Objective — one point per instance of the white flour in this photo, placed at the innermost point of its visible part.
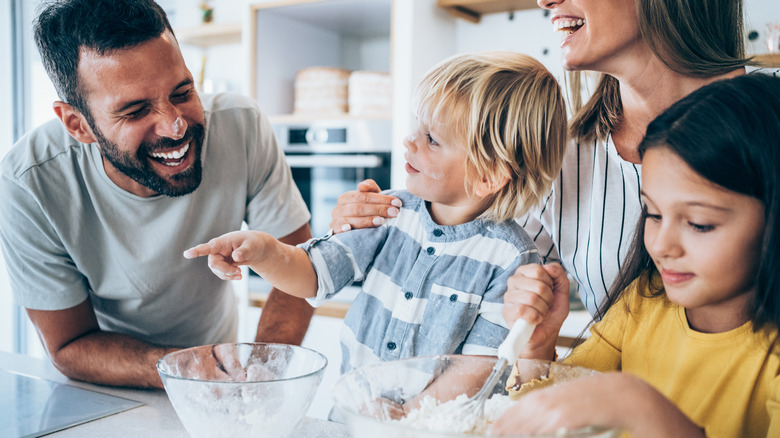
(447, 416)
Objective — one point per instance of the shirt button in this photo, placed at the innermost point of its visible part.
(408, 295)
(391, 346)
(454, 297)
(437, 232)
(430, 250)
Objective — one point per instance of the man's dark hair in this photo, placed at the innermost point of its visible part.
(64, 27)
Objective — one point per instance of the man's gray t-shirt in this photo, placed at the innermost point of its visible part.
(68, 232)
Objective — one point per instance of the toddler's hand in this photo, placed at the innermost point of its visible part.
(227, 252)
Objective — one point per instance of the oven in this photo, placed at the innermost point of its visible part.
(330, 157)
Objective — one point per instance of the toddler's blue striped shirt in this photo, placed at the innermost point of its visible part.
(427, 289)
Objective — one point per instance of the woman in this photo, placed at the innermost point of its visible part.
(650, 53)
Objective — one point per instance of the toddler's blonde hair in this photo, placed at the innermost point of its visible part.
(511, 112)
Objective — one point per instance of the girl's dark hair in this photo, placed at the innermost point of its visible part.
(65, 27)
(729, 133)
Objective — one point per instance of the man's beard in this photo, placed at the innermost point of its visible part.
(137, 167)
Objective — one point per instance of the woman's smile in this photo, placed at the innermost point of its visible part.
(567, 23)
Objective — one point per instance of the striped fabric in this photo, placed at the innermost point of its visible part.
(588, 220)
(427, 289)
(594, 204)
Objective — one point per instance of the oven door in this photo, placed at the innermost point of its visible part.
(322, 177)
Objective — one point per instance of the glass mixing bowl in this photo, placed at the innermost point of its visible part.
(356, 393)
(241, 390)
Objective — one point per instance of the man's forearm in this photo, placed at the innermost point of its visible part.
(110, 359)
(284, 319)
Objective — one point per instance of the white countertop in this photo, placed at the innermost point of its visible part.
(155, 418)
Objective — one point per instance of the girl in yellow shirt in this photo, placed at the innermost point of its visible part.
(692, 320)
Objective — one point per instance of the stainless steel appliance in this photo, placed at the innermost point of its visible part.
(330, 157)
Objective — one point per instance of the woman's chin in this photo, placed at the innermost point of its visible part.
(571, 63)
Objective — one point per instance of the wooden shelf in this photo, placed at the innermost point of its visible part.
(211, 34)
(472, 10)
(766, 60)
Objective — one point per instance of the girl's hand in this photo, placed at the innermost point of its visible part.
(229, 251)
(364, 208)
(614, 400)
(538, 294)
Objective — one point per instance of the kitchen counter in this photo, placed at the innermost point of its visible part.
(155, 417)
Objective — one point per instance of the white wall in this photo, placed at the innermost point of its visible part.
(759, 14)
(528, 32)
(423, 34)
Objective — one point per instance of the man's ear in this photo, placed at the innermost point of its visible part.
(74, 122)
(490, 185)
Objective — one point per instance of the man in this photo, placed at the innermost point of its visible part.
(99, 205)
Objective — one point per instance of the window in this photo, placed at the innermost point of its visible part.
(26, 95)
(7, 332)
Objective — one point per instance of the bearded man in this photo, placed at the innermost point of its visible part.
(98, 204)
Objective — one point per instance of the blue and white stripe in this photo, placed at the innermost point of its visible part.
(427, 289)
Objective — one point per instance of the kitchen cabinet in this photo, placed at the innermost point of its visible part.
(472, 10)
(286, 37)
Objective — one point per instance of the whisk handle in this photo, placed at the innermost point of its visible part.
(516, 339)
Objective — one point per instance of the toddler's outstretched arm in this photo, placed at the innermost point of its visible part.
(286, 267)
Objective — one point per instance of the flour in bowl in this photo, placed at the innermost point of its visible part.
(448, 416)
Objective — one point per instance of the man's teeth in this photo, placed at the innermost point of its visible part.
(173, 155)
(568, 24)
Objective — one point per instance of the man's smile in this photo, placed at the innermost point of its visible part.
(171, 158)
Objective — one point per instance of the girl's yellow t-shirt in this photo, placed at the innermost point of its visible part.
(728, 383)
